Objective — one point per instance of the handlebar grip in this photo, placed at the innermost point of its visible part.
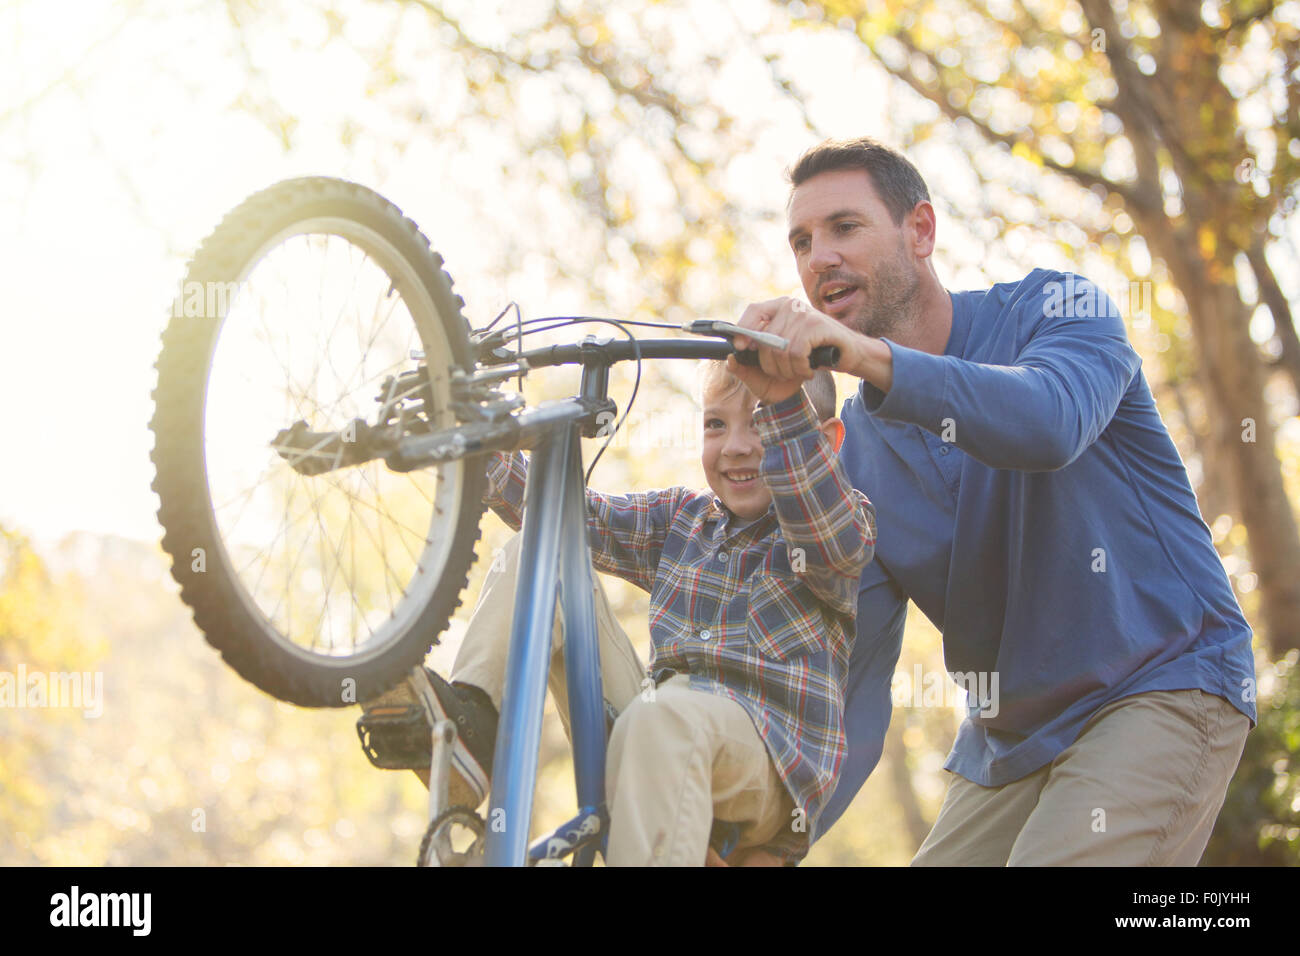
(823, 356)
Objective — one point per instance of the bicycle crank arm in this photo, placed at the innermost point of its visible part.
(314, 453)
(444, 742)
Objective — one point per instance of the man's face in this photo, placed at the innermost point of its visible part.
(851, 256)
(732, 450)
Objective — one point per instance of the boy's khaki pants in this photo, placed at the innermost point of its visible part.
(1142, 786)
(677, 758)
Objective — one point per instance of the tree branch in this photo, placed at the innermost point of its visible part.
(1283, 322)
(1085, 176)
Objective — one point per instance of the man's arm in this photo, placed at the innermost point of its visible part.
(1039, 414)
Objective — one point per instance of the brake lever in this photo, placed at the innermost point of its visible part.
(729, 330)
(823, 356)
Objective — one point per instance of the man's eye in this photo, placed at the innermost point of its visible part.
(801, 245)
(847, 226)
(713, 423)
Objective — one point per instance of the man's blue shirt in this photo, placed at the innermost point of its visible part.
(1031, 502)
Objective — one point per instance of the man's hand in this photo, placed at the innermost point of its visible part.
(781, 373)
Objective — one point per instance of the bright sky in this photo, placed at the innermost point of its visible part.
(133, 155)
(95, 247)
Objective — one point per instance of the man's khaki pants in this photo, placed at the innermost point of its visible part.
(677, 757)
(1142, 785)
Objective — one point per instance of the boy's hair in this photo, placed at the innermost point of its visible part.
(820, 388)
(897, 181)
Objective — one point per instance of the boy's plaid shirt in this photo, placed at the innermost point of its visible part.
(764, 614)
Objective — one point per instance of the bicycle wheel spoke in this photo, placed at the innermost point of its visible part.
(387, 567)
(365, 350)
(422, 536)
(341, 562)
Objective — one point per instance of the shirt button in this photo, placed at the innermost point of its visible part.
(722, 556)
(704, 634)
(943, 450)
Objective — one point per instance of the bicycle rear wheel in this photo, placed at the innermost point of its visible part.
(324, 590)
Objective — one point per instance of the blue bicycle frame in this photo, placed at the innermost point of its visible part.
(555, 563)
(554, 552)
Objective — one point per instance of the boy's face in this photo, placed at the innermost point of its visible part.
(732, 450)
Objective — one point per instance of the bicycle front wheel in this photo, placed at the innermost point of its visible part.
(304, 304)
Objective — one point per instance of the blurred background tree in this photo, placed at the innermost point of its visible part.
(627, 159)
(45, 625)
(1179, 117)
(1260, 822)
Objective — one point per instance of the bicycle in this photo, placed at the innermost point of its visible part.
(223, 417)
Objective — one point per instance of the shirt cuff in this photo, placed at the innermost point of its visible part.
(917, 393)
(789, 418)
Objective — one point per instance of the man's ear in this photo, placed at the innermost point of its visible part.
(925, 229)
(833, 429)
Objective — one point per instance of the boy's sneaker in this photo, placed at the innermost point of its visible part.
(396, 731)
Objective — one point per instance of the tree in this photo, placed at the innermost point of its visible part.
(623, 154)
(1158, 111)
(1260, 821)
(46, 630)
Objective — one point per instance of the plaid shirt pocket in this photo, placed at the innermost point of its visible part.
(782, 621)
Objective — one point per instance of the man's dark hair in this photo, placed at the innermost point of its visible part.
(897, 182)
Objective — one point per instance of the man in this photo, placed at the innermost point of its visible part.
(1032, 504)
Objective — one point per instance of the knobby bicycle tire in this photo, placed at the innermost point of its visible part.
(222, 606)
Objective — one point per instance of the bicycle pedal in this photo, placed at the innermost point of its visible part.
(396, 737)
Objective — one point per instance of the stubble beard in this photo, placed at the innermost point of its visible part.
(891, 301)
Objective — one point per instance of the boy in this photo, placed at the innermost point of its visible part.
(753, 598)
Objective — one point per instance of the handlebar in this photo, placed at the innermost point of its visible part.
(492, 426)
(605, 352)
(823, 356)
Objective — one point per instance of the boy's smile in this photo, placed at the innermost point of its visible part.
(732, 449)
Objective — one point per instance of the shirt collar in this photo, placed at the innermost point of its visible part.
(719, 512)
(960, 326)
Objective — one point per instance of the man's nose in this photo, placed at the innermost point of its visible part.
(823, 256)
